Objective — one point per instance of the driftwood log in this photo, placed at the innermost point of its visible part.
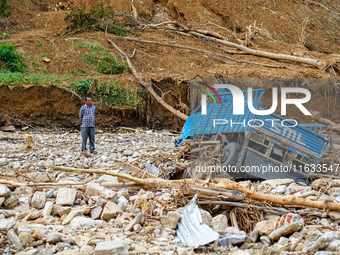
(223, 189)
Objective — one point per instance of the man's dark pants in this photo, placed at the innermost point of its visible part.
(87, 132)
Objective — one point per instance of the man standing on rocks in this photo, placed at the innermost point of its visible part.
(87, 115)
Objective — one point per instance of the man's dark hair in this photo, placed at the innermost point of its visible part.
(87, 98)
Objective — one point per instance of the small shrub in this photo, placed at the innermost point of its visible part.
(90, 59)
(5, 9)
(11, 59)
(82, 87)
(80, 20)
(110, 65)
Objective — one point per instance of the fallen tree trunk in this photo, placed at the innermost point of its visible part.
(194, 184)
(148, 87)
(157, 183)
(277, 199)
(201, 51)
(317, 63)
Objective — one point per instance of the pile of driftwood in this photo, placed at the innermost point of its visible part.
(221, 189)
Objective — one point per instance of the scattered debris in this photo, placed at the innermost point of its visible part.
(56, 200)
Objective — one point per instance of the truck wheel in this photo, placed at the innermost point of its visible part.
(228, 153)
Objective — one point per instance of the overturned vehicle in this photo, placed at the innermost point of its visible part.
(223, 144)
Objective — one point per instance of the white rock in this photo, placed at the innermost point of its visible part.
(264, 227)
(111, 210)
(117, 246)
(95, 189)
(66, 196)
(72, 215)
(86, 250)
(48, 209)
(220, 222)
(281, 189)
(14, 240)
(334, 246)
(38, 200)
(4, 191)
(3, 161)
(82, 222)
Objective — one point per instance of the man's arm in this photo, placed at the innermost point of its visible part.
(81, 114)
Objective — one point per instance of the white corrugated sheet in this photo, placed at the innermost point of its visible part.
(191, 230)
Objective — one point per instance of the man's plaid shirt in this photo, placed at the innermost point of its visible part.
(87, 115)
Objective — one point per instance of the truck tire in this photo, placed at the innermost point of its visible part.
(228, 153)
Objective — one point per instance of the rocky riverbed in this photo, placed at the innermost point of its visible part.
(50, 211)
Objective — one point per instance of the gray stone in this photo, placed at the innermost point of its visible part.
(66, 196)
(233, 236)
(82, 222)
(265, 240)
(206, 218)
(3, 161)
(107, 178)
(26, 239)
(86, 250)
(12, 201)
(7, 224)
(47, 251)
(220, 222)
(4, 191)
(14, 240)
(95, 189)
(264, 227)
(168, 222)
(95, 212)
(334, 246)
(71, 215)
(38, 200)
(22, 208)
(63, 210)
(53, 238)
(117, 246)
(321, 243)
(127, 153)
(48, 209)
(175, 215)
(38, 234)
(111, 210)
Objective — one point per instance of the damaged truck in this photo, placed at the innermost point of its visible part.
(223, 144)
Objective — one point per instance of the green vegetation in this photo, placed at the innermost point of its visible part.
(10, 59)
(39, 45)
(17, 78)
(109, 92)
(5, 9)
(79, 20)
(110, 65)
(102, 61)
